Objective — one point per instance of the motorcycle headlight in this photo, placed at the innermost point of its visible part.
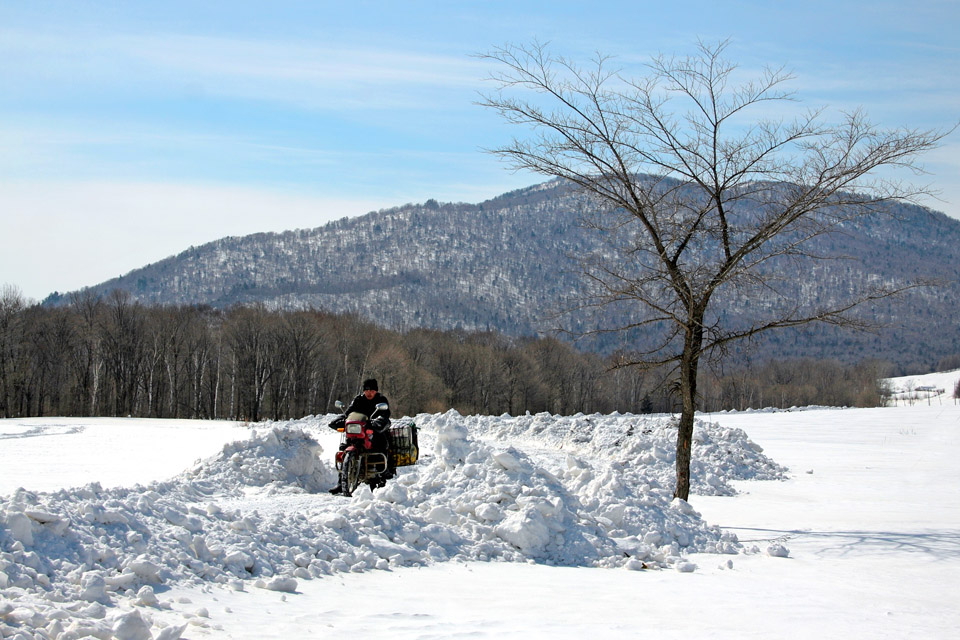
(355, 428)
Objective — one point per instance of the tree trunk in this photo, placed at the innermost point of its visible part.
(689, 364)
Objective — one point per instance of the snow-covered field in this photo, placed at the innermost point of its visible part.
(932, 388)
(822, 522)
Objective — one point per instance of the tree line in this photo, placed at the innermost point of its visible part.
(113, 356)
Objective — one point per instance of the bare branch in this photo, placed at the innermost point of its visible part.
(700, 205)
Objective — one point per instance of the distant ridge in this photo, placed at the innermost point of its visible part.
(507, 264)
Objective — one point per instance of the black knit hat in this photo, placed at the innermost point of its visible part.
(370, 383)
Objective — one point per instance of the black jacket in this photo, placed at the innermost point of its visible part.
(360, 404)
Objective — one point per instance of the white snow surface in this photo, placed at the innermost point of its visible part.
(532, 526)
(46, 454)
(942, 379)
(931, 388)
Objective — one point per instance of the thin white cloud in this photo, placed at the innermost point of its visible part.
(298, 61)
(328, 75)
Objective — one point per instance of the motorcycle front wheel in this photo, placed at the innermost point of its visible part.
(350, 473)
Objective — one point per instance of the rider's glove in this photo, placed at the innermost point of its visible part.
(338, 423)
(379, 424)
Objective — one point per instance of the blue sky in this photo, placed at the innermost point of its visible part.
(133, 130)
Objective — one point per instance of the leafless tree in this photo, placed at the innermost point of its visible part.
(301, 339)
(705, 201)
(250, 332)
(522, 380)
(86, 358)
(123, 333)
(12, 305)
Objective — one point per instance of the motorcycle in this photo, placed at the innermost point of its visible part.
(355, 460)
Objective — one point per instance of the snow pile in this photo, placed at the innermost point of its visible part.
(91, 547)
(642, 448)
(584, 490)
(793, 409)
(282, 460)
(476, 503)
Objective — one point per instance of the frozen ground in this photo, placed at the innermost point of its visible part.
(509, 527)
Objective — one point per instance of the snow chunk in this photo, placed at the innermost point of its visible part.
(146, 597)
(441, 515)
(526, 530)
(93, 588)
(684, 507)
(20, 527)
(452, 447)
(145, 569)
(284, 584)
(131, 626)
(173, 632)
(489, 512)
(510, 462)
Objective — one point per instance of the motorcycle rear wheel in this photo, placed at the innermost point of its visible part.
(350, 473)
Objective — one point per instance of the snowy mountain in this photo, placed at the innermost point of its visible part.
(508, 263)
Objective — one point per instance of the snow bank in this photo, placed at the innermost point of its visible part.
(642, 448)
(583, 490)
(281, 459)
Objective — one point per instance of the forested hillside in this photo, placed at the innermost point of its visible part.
(509, 264)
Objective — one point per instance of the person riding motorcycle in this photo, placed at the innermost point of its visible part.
(366, 403)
